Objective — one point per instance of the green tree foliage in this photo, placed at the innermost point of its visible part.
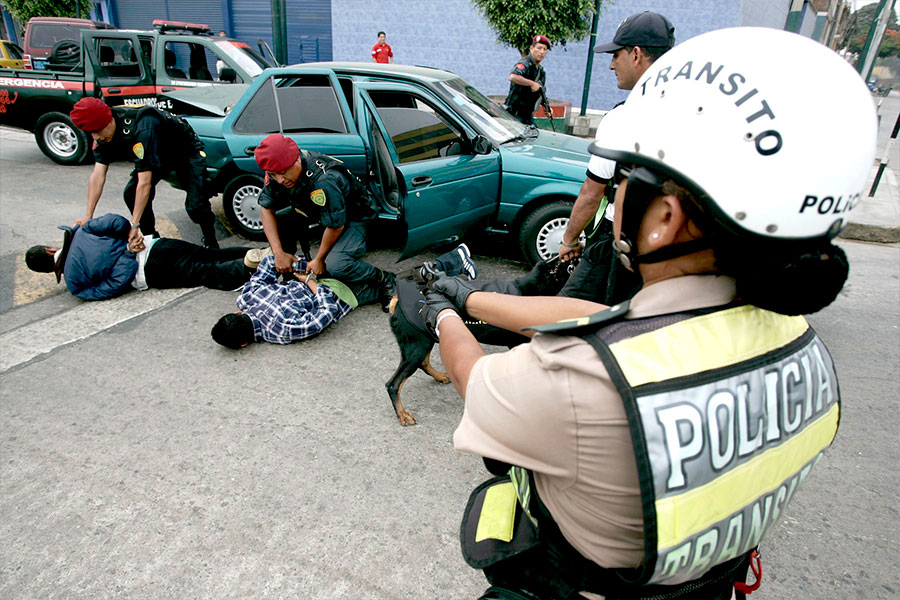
(858, 28)
(25, 9)
(517, 21)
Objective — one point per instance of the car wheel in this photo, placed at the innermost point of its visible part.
(60, 140)
(542, 231)
(241, 204)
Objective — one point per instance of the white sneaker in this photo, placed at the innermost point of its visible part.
(255, 256)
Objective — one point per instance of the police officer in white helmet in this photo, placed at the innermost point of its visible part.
(652, 445)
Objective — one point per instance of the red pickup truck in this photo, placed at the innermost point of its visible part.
(122, 67)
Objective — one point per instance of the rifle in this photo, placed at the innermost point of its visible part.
(546, 106)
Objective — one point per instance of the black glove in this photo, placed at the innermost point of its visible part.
(431, 307)
(455, 289)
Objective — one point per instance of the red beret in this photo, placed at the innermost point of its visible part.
(276, 153)
(541, 39)
(91, 114)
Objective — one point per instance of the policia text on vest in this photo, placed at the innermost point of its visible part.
(728, 431)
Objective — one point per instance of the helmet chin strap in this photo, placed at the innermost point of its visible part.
(643, 186)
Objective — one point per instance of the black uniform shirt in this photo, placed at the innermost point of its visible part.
(322, 197)
(152, 140)
(520, 95)
(138, 142)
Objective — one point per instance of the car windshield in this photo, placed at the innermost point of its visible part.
(481, 112)
(247, 59)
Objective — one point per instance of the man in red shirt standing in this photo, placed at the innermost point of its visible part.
(381, 51)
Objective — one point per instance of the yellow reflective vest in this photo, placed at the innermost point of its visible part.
(729, 408)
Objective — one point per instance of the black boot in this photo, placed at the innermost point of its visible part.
(387, 287)
(209, 236)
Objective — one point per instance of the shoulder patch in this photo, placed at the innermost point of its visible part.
(578, 325)
(138, 150)
(520, 65)
(317, 197)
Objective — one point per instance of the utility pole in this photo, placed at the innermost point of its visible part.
(873, 40)
(279, 31)
(592, 41)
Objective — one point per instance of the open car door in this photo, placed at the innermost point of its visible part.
(428, 164)
(121, 67)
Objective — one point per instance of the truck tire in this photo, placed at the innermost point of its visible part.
(241, 204)
(541, 232)
(60, 140)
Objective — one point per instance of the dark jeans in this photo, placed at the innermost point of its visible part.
(188, 176)
(176, 264)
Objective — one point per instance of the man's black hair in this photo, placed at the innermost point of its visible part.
(233, 330)
(38, 259)
(651, 52)
(381, 33)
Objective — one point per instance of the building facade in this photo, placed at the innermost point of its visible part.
(449, 34)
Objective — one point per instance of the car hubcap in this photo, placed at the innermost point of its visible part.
(61, 140)
(246, 207)
(550, 236)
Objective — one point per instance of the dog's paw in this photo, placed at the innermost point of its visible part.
(405, 418)
(441, 376)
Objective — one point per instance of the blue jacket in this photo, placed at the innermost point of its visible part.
(98, 264)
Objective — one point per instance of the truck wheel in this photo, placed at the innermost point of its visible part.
(542, 231)
(241, 204)
(60, 140)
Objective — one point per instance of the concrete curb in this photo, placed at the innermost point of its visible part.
(871, 233)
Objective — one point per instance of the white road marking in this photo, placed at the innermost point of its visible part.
(41, 337)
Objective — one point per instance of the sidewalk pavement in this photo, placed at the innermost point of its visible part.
(877, 219)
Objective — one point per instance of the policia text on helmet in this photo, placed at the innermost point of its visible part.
(737, 171)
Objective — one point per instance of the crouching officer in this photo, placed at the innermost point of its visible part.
(162, 146)
(305, 186)
(656, 443)
(526, 80)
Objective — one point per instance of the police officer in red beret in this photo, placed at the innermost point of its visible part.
(317, 187)
(526, 80)
(162, 146)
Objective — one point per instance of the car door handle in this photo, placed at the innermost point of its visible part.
(421, 180)
(249, 150)
(168, 89)
(114, 91)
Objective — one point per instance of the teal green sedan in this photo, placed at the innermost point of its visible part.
(443, 160)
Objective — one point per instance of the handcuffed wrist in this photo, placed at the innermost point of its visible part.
(574, 244)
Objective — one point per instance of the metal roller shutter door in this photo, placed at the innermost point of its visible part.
(308, 22)
(140, 14)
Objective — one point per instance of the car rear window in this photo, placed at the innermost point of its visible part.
(46, 35)
(14, 51)
(308, 105)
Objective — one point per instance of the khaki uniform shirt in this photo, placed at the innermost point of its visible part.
(550, 406)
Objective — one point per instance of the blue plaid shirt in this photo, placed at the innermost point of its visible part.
(287, 312)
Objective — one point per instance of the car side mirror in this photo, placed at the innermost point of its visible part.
(481, 145)
(227, 74)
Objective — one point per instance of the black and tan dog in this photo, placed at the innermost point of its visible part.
(416, 342)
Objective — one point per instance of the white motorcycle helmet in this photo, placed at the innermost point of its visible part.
(773, 132)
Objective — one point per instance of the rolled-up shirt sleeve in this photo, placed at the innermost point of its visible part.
(519, 411)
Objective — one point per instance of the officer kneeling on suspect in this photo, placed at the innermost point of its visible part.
(656, 442)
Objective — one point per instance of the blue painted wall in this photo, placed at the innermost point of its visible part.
(452, 35)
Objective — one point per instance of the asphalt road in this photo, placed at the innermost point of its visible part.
(138, 459)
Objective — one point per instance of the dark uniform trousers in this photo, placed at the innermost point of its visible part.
(600, 276)
(188, 175)
(344, 261)
(175, 263)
